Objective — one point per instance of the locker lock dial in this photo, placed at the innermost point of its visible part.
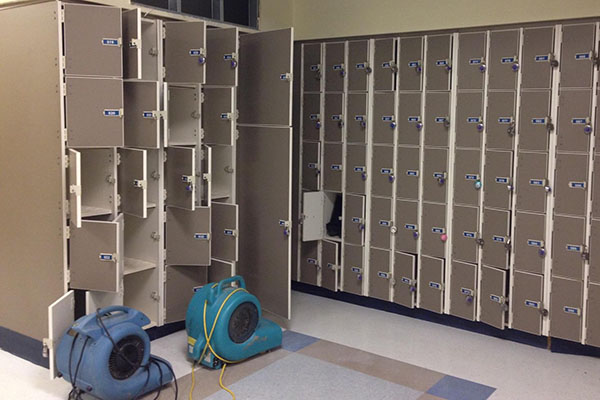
(477, 184)
(391, 178)
(515, 65)
(419, 125)
(415, 235)
(393, 124)
(482, 67)
(587, 129)
(542, 251)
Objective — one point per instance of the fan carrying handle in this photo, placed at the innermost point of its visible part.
(111, 309)
(228, 282)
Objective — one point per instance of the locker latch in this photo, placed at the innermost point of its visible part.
(480, 241)
(549, 124)
(153, 51)
(316, 68)
(195, 114)
(227, 116)
(189, 180)
(393, 230)
(286, 227)
(139, 183)
(232, 58)
(110, 179)
(46, 346)
(200, 53)
(511, 127)
(333, 267)
(440, 177)
(286, 77)
(585, 253)
(230, 232)
(507, 244)
(155, 175)
(109, 257)
(552, 60)
(341, 68)
(135, 43)
(155, 236)
(75, 189)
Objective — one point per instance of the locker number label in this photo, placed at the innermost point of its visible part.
(577, 185)
(532, 304)
(440, 120)
(356, 270)
(196, 52)
(406, 281)
(538, 121)
(542, 58)
(502, 180)
(537, 182)
(229, 232)
(387, 118)
(574, 248)
(337, 117)
(499, 239)
(361, 66)
(383, 222)
(359, 118)
(470, 235)
(311, 261)
(507, 60)
(410, 227)
(112, 113)
(579, 121)
(384, 275)
(148, 114)
(441, 63)
(314, 117)
(535, 243)
(313, 165)
(505, 120)
(315, 67)
(414, 119)
(475, 61)
(412, 172)
(360, 169)
(106, 257)
(111, 42)
(336, 167)
(472, 177)
(473, 120)
(413, 64)
(572, 310)
(356, 220)
(338, 67)
(435, 285)
(495, 298)
(387, 171)
(466, 292)
(201, 236)
(438, 230)
(583, 56)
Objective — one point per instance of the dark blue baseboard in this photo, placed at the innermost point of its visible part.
(160, 331)
(22, 346)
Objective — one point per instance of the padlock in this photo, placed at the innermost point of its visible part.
(363, 176)
(477, 185)
(416, 235)
(515, 66)
(482, 67)
(391, 178)
(419, 125)
(393, 124)
(542, 252)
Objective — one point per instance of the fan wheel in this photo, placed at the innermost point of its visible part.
(125, 364)
(243, 322)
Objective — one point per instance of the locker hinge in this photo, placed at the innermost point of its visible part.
(135, 43)
(164, 32)
(46, 347)
(75, 189)
(155, 236)
(164, 156)
(63, 60)
(68, 275)
(140, 183)
(118, 200)
(68, 207)
(237, 134)
(66, 160)
(64, 88)
(155, 296)
(164, 72)
(62, 15)
(202, 97)
(206, 177)
(165, 194)
(585, 253)
(288, 77)
(67, 234)
(201, 133)
(333, 267)
(64, 135)
(155, 175)
(118, 158)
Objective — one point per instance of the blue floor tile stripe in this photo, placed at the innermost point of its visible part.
(453, 388)
(294, 341)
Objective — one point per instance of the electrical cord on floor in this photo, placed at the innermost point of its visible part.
(221, 382)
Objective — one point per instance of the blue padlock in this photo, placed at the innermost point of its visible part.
(477, 185)
(419, 126)
(202, 60)
(393, 124)
(515, 67)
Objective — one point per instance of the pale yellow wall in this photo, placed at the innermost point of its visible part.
(276, 14)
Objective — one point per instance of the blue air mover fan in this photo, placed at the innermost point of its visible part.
(107, 355)
(224, 325)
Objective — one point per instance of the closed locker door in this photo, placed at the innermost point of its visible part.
(133, 181)
(537, 60)
(534, 123)
(405, 284)
(566, 305)
(471, 60)
(492, 302)
(358, 65)
(437, 118)
(385, 64)
(312, 67)
(570, 188)
(407, 223)
(465, 233)
(576, 64)
(218, 116)
(180, 282)
(530, 242)
(568, 240)
(467, 177)
(439, 63)
(595, 252)
(407, 173)
(383, 171)
(498, 181)
(469, 119)
(496, 238)
(354, 219)
(334, 118)
(335, 68)
(500, 125)
(188, 239)
(410, 121)
(331, 264)
(221, 66)
(435, 175)
(410, 63)
(596, 187)
(180, 171)
(332, 170)
(593, 316)
(532, 182)
(353, 268)
(431, 284)
(356, 171)
(185, 51)
(380, 274)
(463, 287)
(503, 65)
(381, 222)
(184, 115)
(434, 233)
(224, 231)
(527, 306)
(309, 262)
(311, 120)
(356, 131)
(142, 119)
(311, 170)
(384, 118)
(574, 120)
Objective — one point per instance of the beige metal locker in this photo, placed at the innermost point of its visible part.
(463, 290)
(566, 305)
(380, 274)
(405, 284)
(493, 300)
(431, 284)
(309, 262)
(353, 268)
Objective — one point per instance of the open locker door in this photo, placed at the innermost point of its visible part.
(221, 66)
(133, 182)
(61, 315)
(75, 187)
(132, 44)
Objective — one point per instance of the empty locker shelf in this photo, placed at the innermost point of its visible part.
(133, 265)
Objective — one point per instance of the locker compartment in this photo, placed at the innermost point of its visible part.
(408, 173)
(503, 65)
(180, 177)
(381, 222)
(356, 131)
(469, 119)
(492, 302)
(439, 62)
(471, 60)
(405, 283)
(151, 63)
(465, 232)
(574, 120)
(593, 316)
(331, 265)
(311, 169)
(527, 306)
(142, 245)
(142, 114)
(309, 262)
(385, 64)
(463, 289)
(410, 122)
(500, 126)
(383, 171)
(535, 124)
(133, 181)
(596, 187)
(496, 238)
(530, 242)
(570, 189)
(222, 172)
(437, 118)
(188, 239)
(434, 232)
(184, 115)
(132, 37)
(93, 40)
(410, 65)
(353, 269)
(566, 307)
(532, 182)
(179, 289)
(467, 177)
(380, 274)
(140, 291)
(98, 178)
(576, 57)
(334, 117)
(185, 52)
(384, 118)
(332, 170)
(358, 65)
(312, 67)
(220, 270)
(224, 231)
(354, 219)
(431, 284)
(335, 67)
(218, 116)
(311, 119)
(498, 181)
(94, 121)
(74, 187)
(356, 173)
(318, 210)
(594, 250)
(221, 66)
(435, 175)
(407, 223)
(538, 57)
(568, 246)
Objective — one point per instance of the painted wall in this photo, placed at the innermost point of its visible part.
(276, 14)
